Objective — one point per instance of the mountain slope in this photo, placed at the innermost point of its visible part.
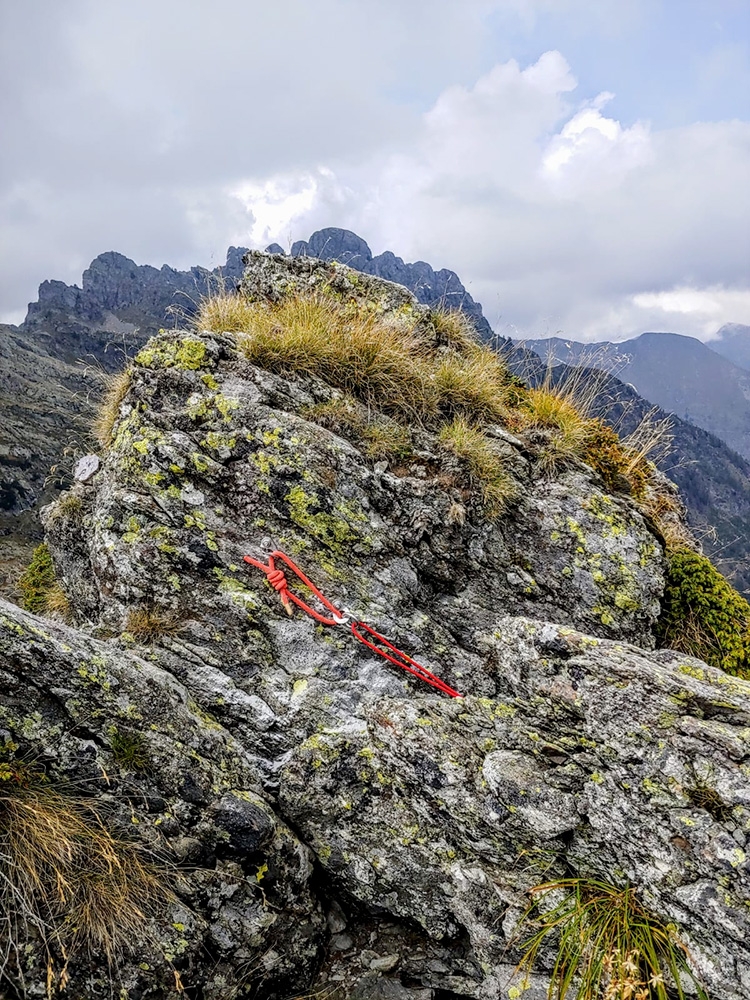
(733, 342)
(680, 374)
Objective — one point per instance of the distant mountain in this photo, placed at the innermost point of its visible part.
(733, 343)
(682, 375)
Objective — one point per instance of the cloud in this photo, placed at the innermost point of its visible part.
(166, 134)
(559, 218)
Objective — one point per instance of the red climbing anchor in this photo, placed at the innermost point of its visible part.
(277, 579)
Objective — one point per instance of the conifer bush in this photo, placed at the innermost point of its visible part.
(703, 615)
(37, 581)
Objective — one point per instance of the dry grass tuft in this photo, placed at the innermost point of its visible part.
(381, 363)
(557, 412)
(148, 624)
(116, 388)
(474, 384)
(67, 880)
(609, 947)
(486, 467)
(58, 603)
(454, 329)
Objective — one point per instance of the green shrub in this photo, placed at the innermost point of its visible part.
(703, 615)
(37, 581)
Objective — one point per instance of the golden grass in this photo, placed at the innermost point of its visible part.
(486, 468)
(66, 879)
(381, 363)
(116, 388)
(556, 411)
(474, 384)
(454, 329)
(609, 947)
(432, 375)
(147, 624)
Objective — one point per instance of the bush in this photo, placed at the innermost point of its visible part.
(37, 581)
(703, 615)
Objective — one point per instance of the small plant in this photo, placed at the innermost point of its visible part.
(130, 750)
(474, 384)
(703, 615)
(609, 947)
(486, 467)
(453, 329)
(379, 436)
(37, 580)
(116, 388)
(67, 880)
(148, 624)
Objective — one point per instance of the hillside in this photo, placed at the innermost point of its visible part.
(120, 304)
(247, 800)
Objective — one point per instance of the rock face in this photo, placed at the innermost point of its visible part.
(337, 824)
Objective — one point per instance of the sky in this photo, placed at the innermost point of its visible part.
(583, 165)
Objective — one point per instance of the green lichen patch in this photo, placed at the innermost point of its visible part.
(188, 354)
(338, 531)
(703, 615)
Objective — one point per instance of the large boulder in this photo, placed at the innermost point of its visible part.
(577, 750)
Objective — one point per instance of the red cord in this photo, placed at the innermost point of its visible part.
(278, 581)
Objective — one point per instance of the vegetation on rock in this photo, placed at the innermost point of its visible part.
(703, 615)
(67, 880)
(116, 387)
(37, 581)
(609, 947)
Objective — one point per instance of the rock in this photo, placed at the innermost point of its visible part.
(346, 812)
(86, 468)
(387, 963)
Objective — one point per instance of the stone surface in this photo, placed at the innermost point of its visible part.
(331, 810)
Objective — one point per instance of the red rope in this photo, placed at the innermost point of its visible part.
(278, 581)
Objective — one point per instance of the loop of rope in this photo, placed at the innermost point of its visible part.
(277, 579)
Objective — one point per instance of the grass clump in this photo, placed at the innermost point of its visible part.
(115, 390)
(486, 467)
(427, 375)
(129, 750)
(609, 947)
(382, 363)
(148, 624)
(66, 880)
(703, 615)
(379, 436)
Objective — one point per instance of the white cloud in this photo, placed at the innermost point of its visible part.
(557, 217)
(166, 132)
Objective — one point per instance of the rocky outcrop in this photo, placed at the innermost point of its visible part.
(441, 288)
(340, 825)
